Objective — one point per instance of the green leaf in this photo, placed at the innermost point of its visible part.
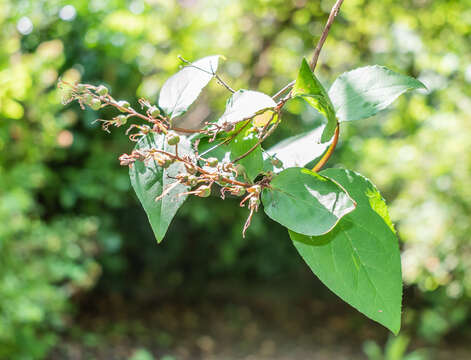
(252, 164)
(311, 90)
(305, 201)
(247, 104)
(182, 89)
(299, 150)
(363, 92)
(359, 259)
(149, 180)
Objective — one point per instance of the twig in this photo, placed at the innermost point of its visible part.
(317, 50)
(267, 134)
(213, 73)
(223, 83)
(330, 20)
(286, 87)
(226, 179)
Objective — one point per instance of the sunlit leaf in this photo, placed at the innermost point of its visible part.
(246, 104)
(363, 92)
(183, 88)
(306, 202)
(359, 259)
(311, 90)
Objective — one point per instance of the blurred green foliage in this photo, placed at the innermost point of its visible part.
(68, 214)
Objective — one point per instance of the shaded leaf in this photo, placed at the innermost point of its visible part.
(149, 180)
(245, 104)
(311, 90)
(305, 201)
(183, 88)
(359, 259)
(363, 92)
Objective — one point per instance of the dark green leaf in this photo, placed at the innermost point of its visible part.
(363, 92)
(299, 150)
(252, 164)
(359, 259)
(182, 89)
(149, 180)
(311, 90)
(245, 104)
(305, 201)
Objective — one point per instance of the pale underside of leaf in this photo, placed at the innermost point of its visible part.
(183, 88)
(247, 104)
(359, 259)
(363, 92)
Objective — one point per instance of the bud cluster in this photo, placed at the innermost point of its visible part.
(197, 174)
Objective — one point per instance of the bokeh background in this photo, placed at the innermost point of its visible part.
(81, 276)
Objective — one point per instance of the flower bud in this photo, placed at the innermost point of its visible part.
(166, 162)
(172, 138)
(95, 104)
(102, 90)
(124, 104)
(212, 162)
(237, 190)
(154, 111)
(192, 180)
(87, 99)
(120, 120)
(203, 191)
(277, 163)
